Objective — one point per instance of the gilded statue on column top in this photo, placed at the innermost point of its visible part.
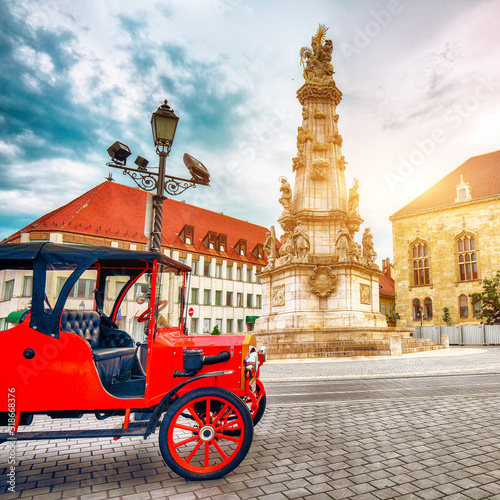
(316, 60)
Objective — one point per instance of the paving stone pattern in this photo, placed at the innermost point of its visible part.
(477, 359)
(424, 448)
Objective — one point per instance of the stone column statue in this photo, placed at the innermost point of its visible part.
(270, 248)
(286, 194)
(369, 253)
(301, 242)
(353, 202)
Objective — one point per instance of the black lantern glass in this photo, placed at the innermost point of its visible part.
(163, 124)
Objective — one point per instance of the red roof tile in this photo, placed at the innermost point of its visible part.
(481, 172)
(116, 211)
(387, 286)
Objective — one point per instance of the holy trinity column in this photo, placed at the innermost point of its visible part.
(319, 277)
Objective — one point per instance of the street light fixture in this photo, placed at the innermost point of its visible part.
(163, 125)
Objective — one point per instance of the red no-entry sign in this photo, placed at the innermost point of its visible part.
(190, 311)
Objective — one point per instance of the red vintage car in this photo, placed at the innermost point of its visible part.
(203, 392)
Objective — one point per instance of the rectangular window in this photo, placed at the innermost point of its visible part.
(229, 272)
(8, 290)
(27, 286)
(182, 260)
(206, 268)
(239, 299)
(206, 326)
(249, 275)
(249, 300)
(206, 297)
(229, 326)
(179, 295)
(194, 325)
(382, 308)
(195, 265)
(240, 325)
(218, 297)
(229, 298)
(195, 295)
(218, 270)
(218, 323)
(258, 299)
(239, 274)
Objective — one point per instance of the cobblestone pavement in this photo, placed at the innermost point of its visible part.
(416, 448)
(445, 361)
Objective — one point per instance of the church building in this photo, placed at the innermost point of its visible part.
(446, 242)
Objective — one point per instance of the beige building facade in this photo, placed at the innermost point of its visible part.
(446, 242)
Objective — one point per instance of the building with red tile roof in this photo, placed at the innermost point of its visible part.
(225, 253)
(446, 241)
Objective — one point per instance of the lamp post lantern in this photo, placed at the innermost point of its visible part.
(163, 126)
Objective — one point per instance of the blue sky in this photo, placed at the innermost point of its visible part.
(420, 79)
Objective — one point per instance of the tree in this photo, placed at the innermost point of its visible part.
(490, 301)
(393, 316)
(446, 316)
(216, 330)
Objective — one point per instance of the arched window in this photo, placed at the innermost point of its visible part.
(428, 308)
(463, 304)
(420, 259)
(467, 257)
(416, 309)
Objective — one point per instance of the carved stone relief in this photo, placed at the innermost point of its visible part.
(318, 114)
(335, 139)
(298, 162)
(321, 146)
(319, 168)
(322, 281)
(278, 296)
(302, 137)
(342, 163)
(365, 293)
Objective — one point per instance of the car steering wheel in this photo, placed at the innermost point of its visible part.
(145, 315)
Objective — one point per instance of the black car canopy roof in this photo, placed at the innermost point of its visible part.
(39, 256)
(22, 255)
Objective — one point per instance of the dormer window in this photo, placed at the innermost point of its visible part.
(187, 234)
(464, 191)
(222, 242)
(258, 251)
(241, 247)
(210, 240)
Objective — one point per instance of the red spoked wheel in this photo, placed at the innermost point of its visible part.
(194, 441)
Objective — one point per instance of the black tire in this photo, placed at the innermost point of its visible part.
(260, 411)
(256, 414)
(188, 427)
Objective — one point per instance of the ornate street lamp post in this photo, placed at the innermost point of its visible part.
(163, 125)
